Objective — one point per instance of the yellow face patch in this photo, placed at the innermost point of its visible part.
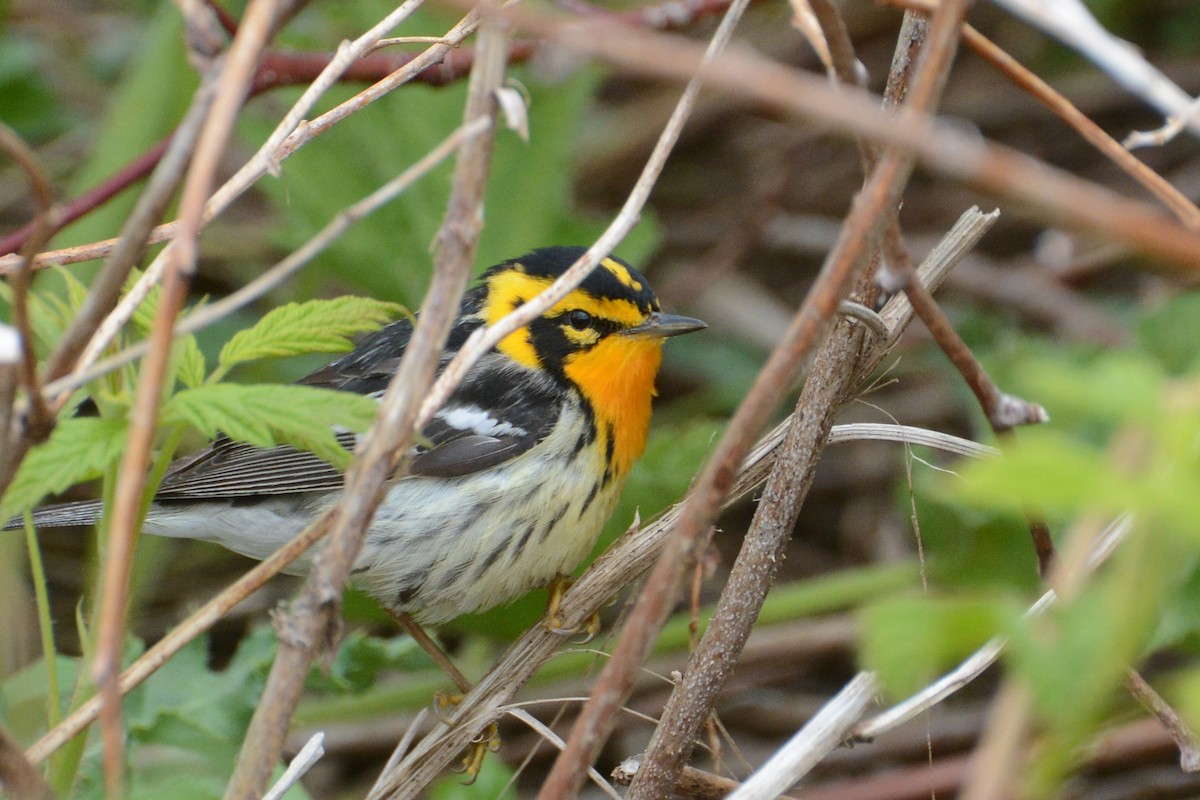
(508, 290)
(621, 273)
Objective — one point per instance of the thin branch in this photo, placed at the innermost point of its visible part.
(314, 614)
(277, 274)
(19, 779)
(38, 421)
(231, 92)
(695, 696)
(1154, 183)
(598, 715)
(1181, 734)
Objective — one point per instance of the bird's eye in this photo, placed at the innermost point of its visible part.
(580, 320)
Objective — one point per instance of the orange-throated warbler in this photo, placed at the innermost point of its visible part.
(515, 476)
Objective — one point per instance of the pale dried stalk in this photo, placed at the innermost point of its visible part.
(1073, 23)
(131, 478)
(825, 731)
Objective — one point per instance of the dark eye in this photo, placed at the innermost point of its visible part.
(580, 320)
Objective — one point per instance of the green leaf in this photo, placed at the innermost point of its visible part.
(1171, 332)
(317, 326)
(192, 366)
(80, 449)
(910, 640)
(1047, 470)
(359, 660)
(266, 415)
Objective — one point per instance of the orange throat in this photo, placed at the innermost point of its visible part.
(617, 378)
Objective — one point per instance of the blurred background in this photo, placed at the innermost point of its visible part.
(740, 221)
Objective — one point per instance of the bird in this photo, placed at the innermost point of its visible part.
(512, 479)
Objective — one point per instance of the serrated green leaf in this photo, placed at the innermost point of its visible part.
(192, 366)
(80, 449)
(316, 326)
(266, 415)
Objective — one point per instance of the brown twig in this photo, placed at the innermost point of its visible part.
(230, 93)
(1181, 734)
(827, 387)
(18, 778)
(38, 420)
(1154, 183)
(314, 614)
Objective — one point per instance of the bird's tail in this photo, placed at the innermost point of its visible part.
(84, 512)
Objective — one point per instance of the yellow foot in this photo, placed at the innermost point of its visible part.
(487, 741)
(553, 622)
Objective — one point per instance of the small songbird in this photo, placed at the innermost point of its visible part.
(514, 477)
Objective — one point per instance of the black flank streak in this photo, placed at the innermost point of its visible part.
(525, 537)
(610, 448)
(591, 496)
(562, 512)
(406, 594)
(581, 442)
(491, 559)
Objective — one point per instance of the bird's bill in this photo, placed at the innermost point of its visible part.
(659, 326)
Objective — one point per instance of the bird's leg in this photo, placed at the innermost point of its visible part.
(553, 622)
(489, 740)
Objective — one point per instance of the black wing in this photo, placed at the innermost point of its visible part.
(499, 412)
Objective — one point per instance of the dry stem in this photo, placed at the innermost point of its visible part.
(314, 615)
(131, 477)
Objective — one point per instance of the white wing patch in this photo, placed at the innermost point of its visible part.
(475, 419)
